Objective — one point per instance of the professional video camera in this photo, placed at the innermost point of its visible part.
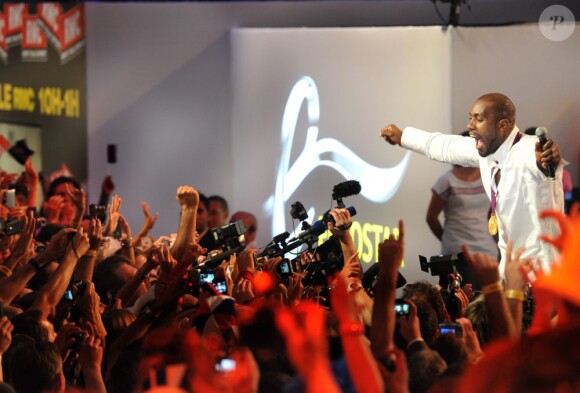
(447, 268)
(328, 256)
(231, 240)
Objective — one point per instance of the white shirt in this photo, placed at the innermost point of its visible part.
(522, 193)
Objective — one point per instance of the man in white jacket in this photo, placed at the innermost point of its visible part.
(501, 152)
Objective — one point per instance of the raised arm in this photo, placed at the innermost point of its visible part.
(188, 199)
(486, 272)
(391, 253)
(453, 149)
(32, 182)
(147, 224)
(361, 364)
(340, 228)
(51, 292)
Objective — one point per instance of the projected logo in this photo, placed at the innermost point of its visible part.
(378, 184)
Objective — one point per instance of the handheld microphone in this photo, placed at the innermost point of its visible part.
(319, 227)
(541, 133)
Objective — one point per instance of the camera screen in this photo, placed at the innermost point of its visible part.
(206, 277)
(284, 267)
(221, 286)
(447, 330)
(68, 295)
(402, 309)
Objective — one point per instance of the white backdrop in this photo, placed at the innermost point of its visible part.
(364, 79)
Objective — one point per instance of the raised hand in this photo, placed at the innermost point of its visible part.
(392, 134)
(549, 153)
(351, 267)
(342, 301)
(114, 213)
(187, 196)
(79, 243)
(95, 234)
(53, 208)
(391, 253)
(485, 268)
(77, 196)
(304, 328)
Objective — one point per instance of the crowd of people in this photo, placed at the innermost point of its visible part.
(87, 305)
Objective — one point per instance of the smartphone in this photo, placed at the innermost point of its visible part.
(98, 211)
(10, 198)
(68, 295)
(221, 286)
(401, 308)
(14, 227)
(451, 328)
(225, 364)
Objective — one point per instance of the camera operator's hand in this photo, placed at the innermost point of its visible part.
(245, 260)
(187, 196)
(223, 271)
(192, 253)
(470, 339)
(271, 265)
(95, 234)
(342, 222)
(243, 292)
(56, 247)
(65, 338)
(79, 244)
(410, 327)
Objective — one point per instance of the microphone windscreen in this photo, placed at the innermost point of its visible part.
(345, 189)
(541, 132)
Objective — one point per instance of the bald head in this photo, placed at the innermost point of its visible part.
(501, 106)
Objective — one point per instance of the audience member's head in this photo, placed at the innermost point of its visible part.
(218, 211)
(425, 367)
(37, 367)
(201, 223)
(251, 224)
(111, 274)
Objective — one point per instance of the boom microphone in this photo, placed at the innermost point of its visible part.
(319, 227)
(346, 189)
(541, 133)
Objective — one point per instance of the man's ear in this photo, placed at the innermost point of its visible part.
(504, 127)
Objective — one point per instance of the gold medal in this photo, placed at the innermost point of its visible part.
(492, 225)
